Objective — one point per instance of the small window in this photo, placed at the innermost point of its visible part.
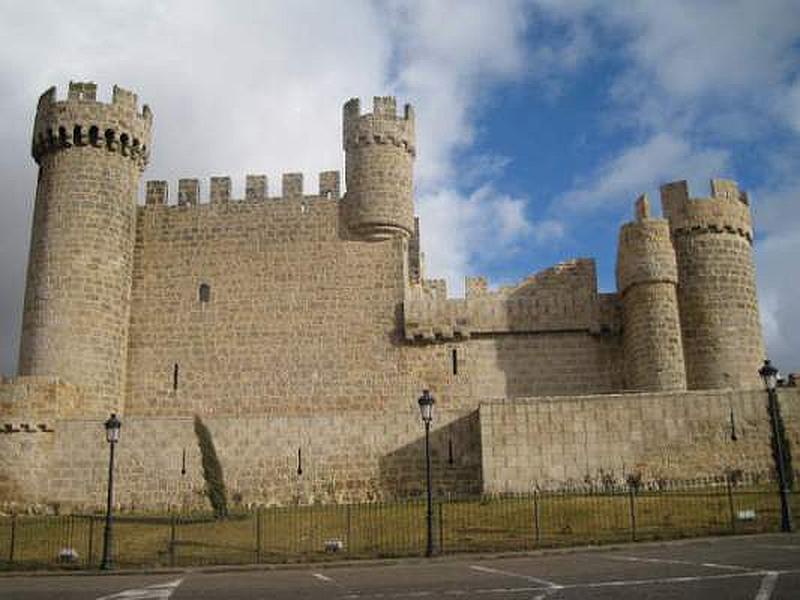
(175, 374)
(204, 293)
(454, 359)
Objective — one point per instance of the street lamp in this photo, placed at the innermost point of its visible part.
(769, 375)
(112, 437)
(426, 403)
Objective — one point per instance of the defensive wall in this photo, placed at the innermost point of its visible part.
(502, 446)
(300, 327)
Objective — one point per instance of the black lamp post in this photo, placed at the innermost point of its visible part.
(426, 403)
(769, 375)
(112, 437)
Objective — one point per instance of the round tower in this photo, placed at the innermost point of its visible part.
(721, 329)
(77, 301)
(647, 277)
(379, 160)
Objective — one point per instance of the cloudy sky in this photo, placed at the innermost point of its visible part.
(539, 121)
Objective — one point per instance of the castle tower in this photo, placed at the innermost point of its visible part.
(647, 277)
(379, 158)
(77, 300)
(713, 240)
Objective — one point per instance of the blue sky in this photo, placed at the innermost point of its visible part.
(539, 122)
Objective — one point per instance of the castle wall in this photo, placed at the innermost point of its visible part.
(297, 319)
(354, 457)
(549, 441)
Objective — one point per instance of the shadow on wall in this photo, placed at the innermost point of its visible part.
(455, 461)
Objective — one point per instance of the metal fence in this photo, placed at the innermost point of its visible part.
(582, 515)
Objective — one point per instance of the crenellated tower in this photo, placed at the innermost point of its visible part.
(647, 277)
(77, 301)
(720, 323)
(379, 159)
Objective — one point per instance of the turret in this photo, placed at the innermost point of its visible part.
(75, 321)
(647, 277)
(713, 240)
(379, 157)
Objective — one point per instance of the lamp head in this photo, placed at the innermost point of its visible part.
(426, 403)
(112, 426)
(769, 375)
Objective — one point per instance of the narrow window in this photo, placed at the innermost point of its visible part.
(450, 460)
(175, 376)
(299, 461)
(455, 361)
(77, 135)
(94, 135)
(204, 292)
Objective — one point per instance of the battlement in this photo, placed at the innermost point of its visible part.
(80, 120)
(381, 126)
(256, 189)
(727, 210)
(561, 298)
(644, 252)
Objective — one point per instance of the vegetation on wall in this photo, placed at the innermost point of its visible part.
(212, 470)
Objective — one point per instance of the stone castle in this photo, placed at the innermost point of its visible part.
(301, 329)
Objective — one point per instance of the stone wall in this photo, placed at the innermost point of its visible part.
(354, 457)
(552, 441)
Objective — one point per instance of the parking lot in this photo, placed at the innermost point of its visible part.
(759, 567)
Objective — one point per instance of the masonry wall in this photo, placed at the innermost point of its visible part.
(552, 441)
(355, 457)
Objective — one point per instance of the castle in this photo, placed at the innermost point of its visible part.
(301, 329)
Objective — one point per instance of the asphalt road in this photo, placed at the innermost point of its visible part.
(764, 567)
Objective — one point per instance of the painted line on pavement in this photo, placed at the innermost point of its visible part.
(482, 569)
(158, 591)
(673, 561)
(767, 586)
(322, 577)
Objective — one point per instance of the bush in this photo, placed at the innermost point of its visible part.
(212, 470)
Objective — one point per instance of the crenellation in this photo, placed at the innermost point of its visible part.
(256, 187)
(220, 190)
(82, 91)
(188, 192)
(156, 193)
(329, 184)
(292, 186)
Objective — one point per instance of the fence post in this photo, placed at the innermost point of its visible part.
(632, 507)
(441, 527)
(349, 528)
(13, 538)
(729, 485)
(536, 526)
(90, 549)
(172, 537)
(258, 534)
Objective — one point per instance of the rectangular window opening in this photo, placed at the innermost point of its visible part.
(455, 361)
(175, 376)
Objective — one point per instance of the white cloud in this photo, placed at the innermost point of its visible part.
(243, 87)
(662, 158)
(459, 232)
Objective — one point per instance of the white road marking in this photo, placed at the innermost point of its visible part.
(159, 591)
(767, 586)
(322, 577)
(672, 561)
(483, 569)
(780, 546)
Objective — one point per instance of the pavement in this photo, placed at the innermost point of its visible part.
(759, 567)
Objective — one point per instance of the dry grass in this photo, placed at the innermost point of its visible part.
(392, 529)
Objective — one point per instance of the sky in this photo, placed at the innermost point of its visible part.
(539, 122)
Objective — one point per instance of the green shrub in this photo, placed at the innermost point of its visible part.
(212, 470)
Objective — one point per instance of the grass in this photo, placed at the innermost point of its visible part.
(390, 529)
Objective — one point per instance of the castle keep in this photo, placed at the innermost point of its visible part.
(301, 328)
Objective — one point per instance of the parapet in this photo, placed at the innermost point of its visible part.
(256, 189)
(382, 126)
(81, 120)
(645, 253)
(561, 298)
(726, 211)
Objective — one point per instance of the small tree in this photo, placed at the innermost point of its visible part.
(212, 470)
